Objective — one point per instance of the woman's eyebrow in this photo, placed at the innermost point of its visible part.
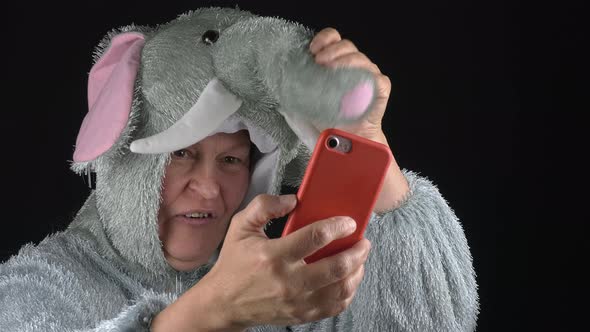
(238, 145)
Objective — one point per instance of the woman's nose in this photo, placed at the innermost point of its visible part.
(205, 183)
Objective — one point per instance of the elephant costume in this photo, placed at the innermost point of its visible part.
(152, 91)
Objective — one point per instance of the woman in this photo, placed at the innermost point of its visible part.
(192, 129)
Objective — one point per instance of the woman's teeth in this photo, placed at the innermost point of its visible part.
(198, 215)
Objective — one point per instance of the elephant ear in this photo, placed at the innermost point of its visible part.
(110, 95)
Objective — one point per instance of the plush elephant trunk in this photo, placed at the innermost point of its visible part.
(260, 63)
(268, 59)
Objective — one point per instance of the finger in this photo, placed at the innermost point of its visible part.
(309, 239)
(339, 291)
(356, 60)
(384, 86)
(335, 50)
(335, 268)
(334, 299)
(263, 208)
(325, 37)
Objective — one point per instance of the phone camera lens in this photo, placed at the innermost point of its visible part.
(333, 142)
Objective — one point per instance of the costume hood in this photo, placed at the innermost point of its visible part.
(154, 90)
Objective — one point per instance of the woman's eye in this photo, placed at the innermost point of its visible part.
(180, 154)
(231, 160)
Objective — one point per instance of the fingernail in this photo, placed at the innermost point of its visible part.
(311, 46)
(350, 223)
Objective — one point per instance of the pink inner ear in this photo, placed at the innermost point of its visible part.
(355, 102)
(110, 94)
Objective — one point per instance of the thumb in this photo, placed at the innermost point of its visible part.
(262, 209)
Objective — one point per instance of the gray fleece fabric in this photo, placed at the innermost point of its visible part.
(107, 272)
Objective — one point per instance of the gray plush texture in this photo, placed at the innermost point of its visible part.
(107, 272)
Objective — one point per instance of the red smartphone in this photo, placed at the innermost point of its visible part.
(343, 178)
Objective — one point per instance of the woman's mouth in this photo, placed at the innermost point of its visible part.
(197, 218)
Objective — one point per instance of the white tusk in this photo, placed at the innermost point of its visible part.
(214, 106)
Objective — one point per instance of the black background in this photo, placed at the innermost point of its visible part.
(485, 102)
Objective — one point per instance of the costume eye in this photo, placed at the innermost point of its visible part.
(210, 37)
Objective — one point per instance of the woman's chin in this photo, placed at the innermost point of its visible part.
(183, 261)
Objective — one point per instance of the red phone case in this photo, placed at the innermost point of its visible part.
(340, 184)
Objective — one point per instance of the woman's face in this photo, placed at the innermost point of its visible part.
(203, 186)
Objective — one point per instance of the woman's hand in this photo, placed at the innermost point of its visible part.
(331, 50)
(262, 281)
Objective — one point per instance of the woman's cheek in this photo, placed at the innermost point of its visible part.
(236, 187)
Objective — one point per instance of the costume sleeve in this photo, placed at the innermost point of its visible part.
(137, 317)
(55, 287)
(419, 275)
